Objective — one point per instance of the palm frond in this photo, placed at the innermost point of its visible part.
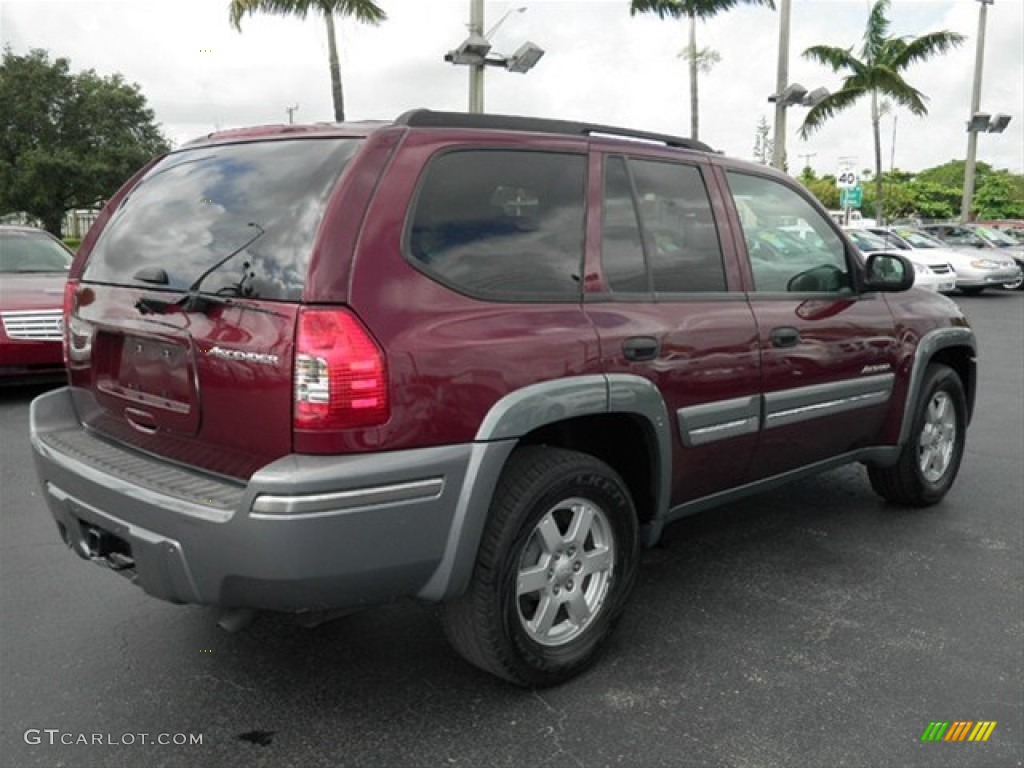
(889, 82)
(834, 58)
(366, 11)
(877, 30)
(702, 9)
(825, 110)
(924, 47)
(672, 8)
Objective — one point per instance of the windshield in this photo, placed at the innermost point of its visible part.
(24, 252)
(866, 241)
(994, 236)
(919, 239)
(197, 206)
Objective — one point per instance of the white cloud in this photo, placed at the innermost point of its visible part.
(601, 65)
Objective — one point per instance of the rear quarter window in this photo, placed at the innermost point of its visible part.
(501, 224)
(197, 206)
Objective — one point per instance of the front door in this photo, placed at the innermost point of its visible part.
(827, 352)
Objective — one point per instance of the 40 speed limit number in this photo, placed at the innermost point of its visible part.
(847, 178)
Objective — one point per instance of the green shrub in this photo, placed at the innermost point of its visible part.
(72, 242)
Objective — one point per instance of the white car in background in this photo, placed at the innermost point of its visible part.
(931, 272)
(976, 269)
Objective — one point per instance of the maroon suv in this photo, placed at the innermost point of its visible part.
(477, 360)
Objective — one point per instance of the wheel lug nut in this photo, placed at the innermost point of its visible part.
(569, 585)
(576, 566)
(555, 590)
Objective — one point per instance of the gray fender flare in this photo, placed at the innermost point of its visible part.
(516, 415)
(930, 343)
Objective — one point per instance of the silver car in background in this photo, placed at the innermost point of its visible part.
(976, 269)
(931, 271)
(978, 236)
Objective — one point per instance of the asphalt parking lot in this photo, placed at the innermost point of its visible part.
(810, 626)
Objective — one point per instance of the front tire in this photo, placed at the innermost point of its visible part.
(557, 562)
(1015, 285)
(930, 460)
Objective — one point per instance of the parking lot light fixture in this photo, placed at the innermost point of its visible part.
(475, 53)
(998, 123)
(972, 132)
(979, 122)
(525, 58)
(793, 95)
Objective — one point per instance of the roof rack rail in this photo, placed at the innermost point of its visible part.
(426, 118)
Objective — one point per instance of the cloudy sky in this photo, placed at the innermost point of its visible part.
(601, 65)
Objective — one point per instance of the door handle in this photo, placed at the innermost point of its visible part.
(637, 348)
(785, 337)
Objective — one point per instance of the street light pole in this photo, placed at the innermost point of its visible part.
(782, 77)
(476, 70)
(972, 135)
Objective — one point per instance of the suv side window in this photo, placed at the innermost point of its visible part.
(677, 240)
(779, 261)
(622, 250)
(502, 224)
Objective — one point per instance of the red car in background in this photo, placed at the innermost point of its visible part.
(33, 270)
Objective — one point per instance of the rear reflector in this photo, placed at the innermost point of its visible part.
(70, 287)
(341, 380)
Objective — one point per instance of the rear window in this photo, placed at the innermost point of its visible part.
(22, 252)
(196, 207)
(502, 224)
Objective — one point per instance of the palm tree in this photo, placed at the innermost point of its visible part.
(693, 10)
(365, 11)
(877, 71)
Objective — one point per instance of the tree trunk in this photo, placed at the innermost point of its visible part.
(694, 119)
(336, 92)
(876, 119)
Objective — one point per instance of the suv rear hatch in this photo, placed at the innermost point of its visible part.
(180, 331)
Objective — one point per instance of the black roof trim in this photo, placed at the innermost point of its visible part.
(426, 118)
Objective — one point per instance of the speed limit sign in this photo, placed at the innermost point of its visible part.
(847, 178)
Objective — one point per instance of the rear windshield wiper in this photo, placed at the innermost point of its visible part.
(192, 301)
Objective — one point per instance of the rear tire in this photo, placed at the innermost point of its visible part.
(557, 562)
(930, 460)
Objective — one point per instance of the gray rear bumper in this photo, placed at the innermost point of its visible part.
(305, 532)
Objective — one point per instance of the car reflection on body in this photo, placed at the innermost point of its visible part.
(931, 272)
(976, 270)
(33, 271)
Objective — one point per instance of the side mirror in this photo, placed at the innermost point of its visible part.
(889, 272)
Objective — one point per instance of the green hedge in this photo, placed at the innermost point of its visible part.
(72, 242)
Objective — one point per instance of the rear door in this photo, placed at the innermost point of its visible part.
(828, 353)
(667, 309)
(184, 317)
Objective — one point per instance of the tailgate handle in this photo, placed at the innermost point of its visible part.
(141, 420)
(785, 337)
(640, 348)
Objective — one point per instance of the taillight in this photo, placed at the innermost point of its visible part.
(70, 288)
(341, 379)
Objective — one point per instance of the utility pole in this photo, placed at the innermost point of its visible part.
(291, 113)
(476, 71)
(972, 135)
(781, 80)
(807, 159)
